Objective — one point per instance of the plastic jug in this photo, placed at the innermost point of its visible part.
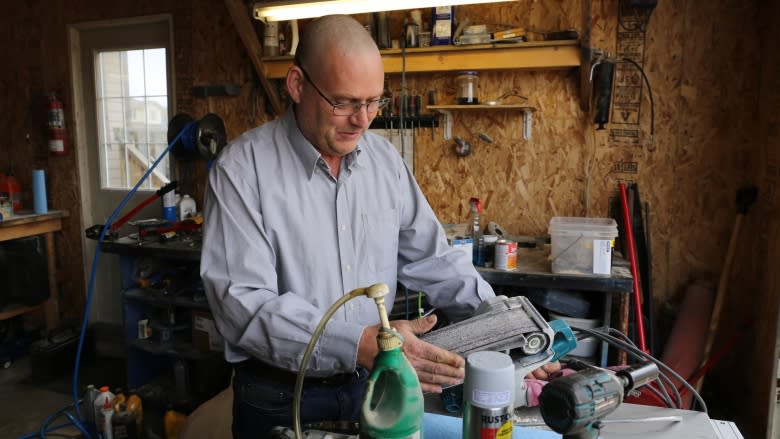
(135, 406)
(174, 422)
(393, 405)
(88, 412)
(187, 207)
(104, 398)
(119, 400)
(3, 187)
(14, 189)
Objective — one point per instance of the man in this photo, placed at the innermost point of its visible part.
(306, 208)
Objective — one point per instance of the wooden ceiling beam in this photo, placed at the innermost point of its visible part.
(243, 24)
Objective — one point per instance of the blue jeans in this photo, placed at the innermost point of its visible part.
(262, 403)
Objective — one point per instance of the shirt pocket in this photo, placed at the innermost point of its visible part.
(380, 239)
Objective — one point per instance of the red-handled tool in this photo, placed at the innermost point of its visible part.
(634, 269)
(94, 231)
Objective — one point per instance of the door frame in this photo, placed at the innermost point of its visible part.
(106, 309)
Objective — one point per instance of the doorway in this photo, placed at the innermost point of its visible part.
(122, 74)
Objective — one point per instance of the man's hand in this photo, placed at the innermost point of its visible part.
(543, 373)
(434, 365)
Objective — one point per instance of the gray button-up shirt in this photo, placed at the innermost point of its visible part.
(283, 240)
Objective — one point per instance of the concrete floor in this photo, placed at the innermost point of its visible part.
(33, 389)
(25, 403)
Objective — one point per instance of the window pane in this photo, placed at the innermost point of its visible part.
(132, 109)
(116, 172)
(156, 85)
(114, 120)
(157, 119)
(135, 120)
(108, 75)
(136, 73)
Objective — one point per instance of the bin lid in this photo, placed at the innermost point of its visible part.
(582, 225)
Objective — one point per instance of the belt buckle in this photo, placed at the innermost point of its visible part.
(335, 380)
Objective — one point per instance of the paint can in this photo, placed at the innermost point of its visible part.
(506, 255)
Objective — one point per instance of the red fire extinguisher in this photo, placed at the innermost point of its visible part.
(55, 126)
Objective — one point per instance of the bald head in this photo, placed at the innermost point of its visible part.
(337, 64)
(333, 35)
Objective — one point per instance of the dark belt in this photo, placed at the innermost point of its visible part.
(263, 370)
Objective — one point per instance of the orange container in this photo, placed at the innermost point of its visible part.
(14, 190)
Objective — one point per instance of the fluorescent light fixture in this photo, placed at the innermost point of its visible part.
(291, 10)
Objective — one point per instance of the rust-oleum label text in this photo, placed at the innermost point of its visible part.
(494, 419)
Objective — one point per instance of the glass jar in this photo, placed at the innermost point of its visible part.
(468, 83)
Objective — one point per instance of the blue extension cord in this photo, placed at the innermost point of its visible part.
(77, 420)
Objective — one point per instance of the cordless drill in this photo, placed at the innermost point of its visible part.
(575, 405)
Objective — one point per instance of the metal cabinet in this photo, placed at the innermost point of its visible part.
(170, 339)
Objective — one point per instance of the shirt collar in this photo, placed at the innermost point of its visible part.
(306, 152)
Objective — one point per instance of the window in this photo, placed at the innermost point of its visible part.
(132, 115)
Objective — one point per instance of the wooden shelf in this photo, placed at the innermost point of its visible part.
(537, 55)
(172, 349)
(481, 107)
(15, 310)
(165, 300)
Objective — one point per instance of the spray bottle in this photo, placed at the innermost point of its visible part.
(477, 241)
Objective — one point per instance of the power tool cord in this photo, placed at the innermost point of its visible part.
(650, 146)
(639, 354)
(662, 393)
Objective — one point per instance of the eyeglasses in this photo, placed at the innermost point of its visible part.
(348, 108)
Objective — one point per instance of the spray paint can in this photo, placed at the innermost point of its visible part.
(488, 396)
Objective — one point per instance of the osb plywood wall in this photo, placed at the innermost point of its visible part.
(701, 58)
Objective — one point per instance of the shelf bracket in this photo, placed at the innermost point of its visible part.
(527, 123)
(447, 123)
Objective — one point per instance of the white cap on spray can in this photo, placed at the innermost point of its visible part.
(488, 395)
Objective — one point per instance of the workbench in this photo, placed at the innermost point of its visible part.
(28, 224)
(686, 423)
(533, 271)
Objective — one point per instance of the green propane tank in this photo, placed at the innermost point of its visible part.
(393, 405)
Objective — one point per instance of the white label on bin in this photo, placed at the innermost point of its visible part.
(602, 256)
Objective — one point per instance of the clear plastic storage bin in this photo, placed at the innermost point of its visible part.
(582, 245)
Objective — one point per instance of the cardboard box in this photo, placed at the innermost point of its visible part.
(205, 337)
(443, 18)
(510, 34)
